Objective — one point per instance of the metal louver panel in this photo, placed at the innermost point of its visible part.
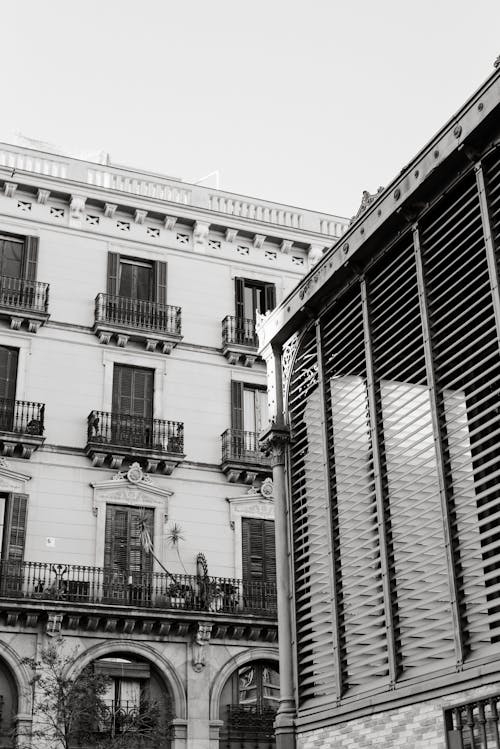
(317, 675)
(353, 511)
(417, 566)
(467, 368)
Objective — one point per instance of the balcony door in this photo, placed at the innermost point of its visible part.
(248, 418)
(132, 406)
(258, 563)
(128, 567)
(136, 280)
(11, 257)
(8, 378)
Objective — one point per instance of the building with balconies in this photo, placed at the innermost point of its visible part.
(136, 509)
(384, 365)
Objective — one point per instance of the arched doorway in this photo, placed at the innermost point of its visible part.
(8, 706)
(248, 705)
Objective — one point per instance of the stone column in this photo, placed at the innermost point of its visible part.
(274, 441)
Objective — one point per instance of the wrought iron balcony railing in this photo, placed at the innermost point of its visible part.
(24, 296)
(108, 428)
(138, 314)
(242, 447)
(81, 584)
(245, 722)
(239, 331)
(22, 417)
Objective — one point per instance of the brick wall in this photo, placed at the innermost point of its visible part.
(419, 726)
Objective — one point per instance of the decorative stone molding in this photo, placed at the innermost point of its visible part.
(10, 480)
(54, 624)
(200, 235)
(76, 207)
(314, 254)
(274, 442)
(110, 209)
(9, 189)
(140, 216)
(200, 645)
(259, 240)
(250, 505)
(42, 196)
(170, 222)
(286, 246)
(231, 235)
(134, 489)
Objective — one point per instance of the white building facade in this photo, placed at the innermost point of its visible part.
(131, 396)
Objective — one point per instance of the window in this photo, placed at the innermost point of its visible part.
(248, 407)
(18, 256)
(137, 279)
(8, 379)
(128, 566)
(252, 297)
(258, 551)
(132, 406)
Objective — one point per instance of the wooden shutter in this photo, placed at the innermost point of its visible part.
(258, 550)
(133, 391)
(139, 560)
(113, 273)
(160, 273)
(8, 372)
(236, 405)
(116, 540)
(269, 297)
(15, 527)
(239, 297)
(30, 258)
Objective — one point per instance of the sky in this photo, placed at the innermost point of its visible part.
(305, 102)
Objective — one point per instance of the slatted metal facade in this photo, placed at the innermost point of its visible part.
(394, 407)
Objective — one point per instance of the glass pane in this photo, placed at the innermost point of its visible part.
(143, 283)
(11, 258)
(249, 415)
(126, 280)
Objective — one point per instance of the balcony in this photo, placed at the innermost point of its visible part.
(24, 301)
(242, 459)
(96, 585)
(21, 427)
(239, 340)
(155, 325)
(114, 438)
(247, 725)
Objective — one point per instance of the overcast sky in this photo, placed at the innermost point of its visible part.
(305, 102)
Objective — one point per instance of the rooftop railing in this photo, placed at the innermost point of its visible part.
(239, 331)
(138, 314)
(92, 585)
(109, 428)
(23, 295)
(242, 447)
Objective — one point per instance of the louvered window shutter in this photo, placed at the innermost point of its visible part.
(113, 280)
(122, 389)
(236, 405)
(239, 293)
(160, 270)
(269, 297)
(269, 552)
(30, 258)
(116, 539)
(17, 510)
(140, 560)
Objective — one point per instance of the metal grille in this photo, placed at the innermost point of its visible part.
(402, 576)
(314, 613)
(410, 483)
(467, 368)
(358, 586)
